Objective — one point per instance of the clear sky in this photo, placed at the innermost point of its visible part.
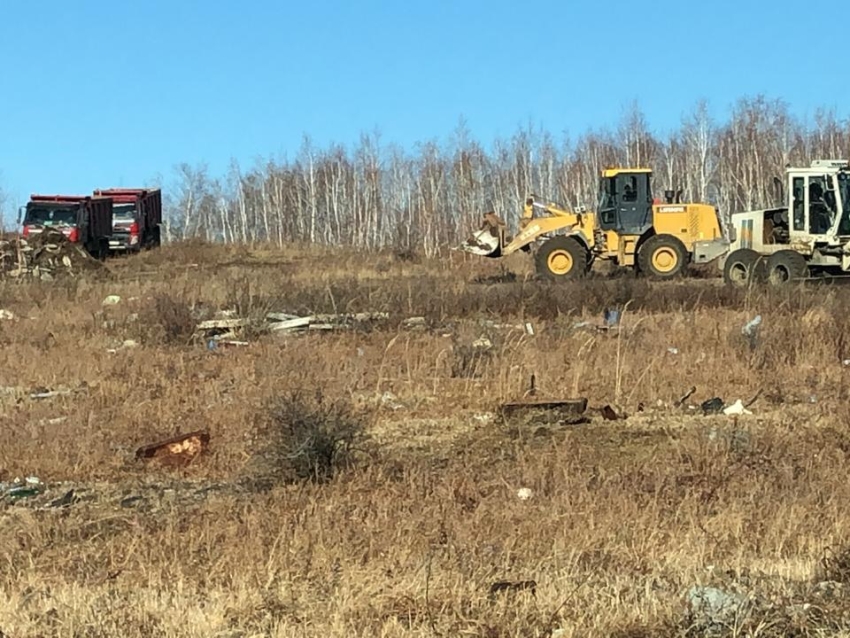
(99, 93)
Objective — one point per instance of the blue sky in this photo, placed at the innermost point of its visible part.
(102, 93)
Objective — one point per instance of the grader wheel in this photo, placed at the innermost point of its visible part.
(786, 266)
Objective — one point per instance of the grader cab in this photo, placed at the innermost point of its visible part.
(806, 237)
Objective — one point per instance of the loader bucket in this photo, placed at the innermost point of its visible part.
(488, 240)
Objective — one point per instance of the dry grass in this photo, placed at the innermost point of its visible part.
(407, 539)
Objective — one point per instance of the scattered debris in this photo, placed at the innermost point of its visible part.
(228, 328)
(485, 418)
(546, 411)
(750, 331)
(524, 493)
(610, 322)
(127, 344)
(482, 343)
(712, 406)
(69, 498)
(711, 609)
(681, 400)
(111, 300)
(20, 489)
(44, 393)
(182, 448)
(610, 414)
(6, 315)
(673, 351)
(736, 409)
(390, 401)
(44, 256)
(415, 323)
(611, 317)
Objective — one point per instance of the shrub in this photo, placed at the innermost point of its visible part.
(311, 437)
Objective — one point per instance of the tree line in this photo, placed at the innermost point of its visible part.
(429, 198)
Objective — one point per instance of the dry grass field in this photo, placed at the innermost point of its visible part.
(405, 526)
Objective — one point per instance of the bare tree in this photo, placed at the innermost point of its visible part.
(429, 197)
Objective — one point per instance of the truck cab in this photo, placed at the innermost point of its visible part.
(80, 219)
(136, 220)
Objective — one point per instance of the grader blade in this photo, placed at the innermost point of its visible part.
(488, 240)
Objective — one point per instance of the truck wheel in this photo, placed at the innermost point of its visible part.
(663, 257)
(786, 266)
(744, 267)
(561, 258)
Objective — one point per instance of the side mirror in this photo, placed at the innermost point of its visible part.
(22, 210)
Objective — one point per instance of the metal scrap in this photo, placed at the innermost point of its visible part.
(179, 449)
(546, 411)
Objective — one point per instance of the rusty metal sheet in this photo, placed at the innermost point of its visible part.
(546, 410)
(180, 449)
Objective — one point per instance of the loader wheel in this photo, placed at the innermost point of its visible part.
(561, 258)
(663, 257)
(786, 266)
(744, 267)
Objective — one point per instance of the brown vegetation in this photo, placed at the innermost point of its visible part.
(416, 528)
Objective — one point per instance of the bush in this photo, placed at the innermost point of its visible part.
(312, 438)
(168, 320)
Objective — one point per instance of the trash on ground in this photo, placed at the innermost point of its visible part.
(673, 350)
(20, 489)
(44, 255)
(111, 300)
(282, 323)
(69, 498)
(736, 409)
(127, 344)
(415, 323)
(180, 449)
(610, 414)
(390, 401)
(610, 322)
(524, 493)
(546, 411)
(611, 317)
(681, 400)
(6, 315)
(712, 608)
(482, 343)
(712, 406)
(750, 331)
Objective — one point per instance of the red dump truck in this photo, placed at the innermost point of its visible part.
(137, 216)
(82, 219)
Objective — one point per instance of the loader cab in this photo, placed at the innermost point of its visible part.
(819, 198)
(625, 201)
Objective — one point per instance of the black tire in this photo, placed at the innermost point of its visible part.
(561, 258)
(662, 257)
(744, 267)
(785, 267)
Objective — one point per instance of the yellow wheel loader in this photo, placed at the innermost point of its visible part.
(629, 228)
